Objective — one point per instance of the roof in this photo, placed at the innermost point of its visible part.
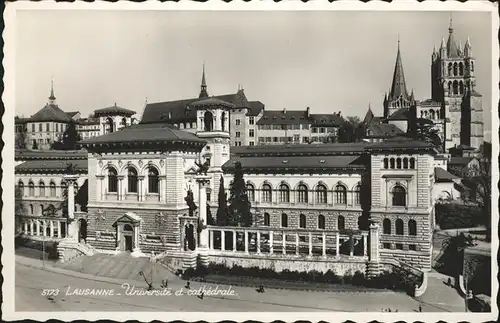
(254, 108)
(400, 143)
(72, 114)
(88, 121)
(50, 112)
(327, 120)
(398, 87)
(51, 166)
(113, 110)
(294, 163)
(383, 130)
(18, 120)
(430, 102)
(144, 133)
(442, 175)
(369, 116)
(284, 117)
(401, 114)
(332, 149)
(451, 45)
(26, 154)
(180, 110)
(211, 102)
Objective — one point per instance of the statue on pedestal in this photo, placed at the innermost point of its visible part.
(202, 168)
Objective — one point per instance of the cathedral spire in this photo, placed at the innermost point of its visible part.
(398, 87)
(52, 97)
(451, 45)
(203, 92)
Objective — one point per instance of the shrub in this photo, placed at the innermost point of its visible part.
(454, 216)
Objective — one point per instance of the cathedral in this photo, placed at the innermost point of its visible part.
(454, 108)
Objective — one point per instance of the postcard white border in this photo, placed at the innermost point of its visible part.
(8, 98)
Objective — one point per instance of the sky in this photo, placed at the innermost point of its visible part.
(329, 61)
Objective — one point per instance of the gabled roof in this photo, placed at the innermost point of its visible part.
(443, 176)
(26, 154)
(383, 130)
(128, 217)
(51, 166)
(211, 102)
(332, 149)
(326, 120)
(72, 114)
(18, 120)
(113, 110)
(401, 144)
(460, 161)
(284, 117)
(181, 111)
(401, 114)
(369, 116)
(49, 113)
(254, 108)
(144, 133)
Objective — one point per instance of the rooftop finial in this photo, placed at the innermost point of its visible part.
(451, 23)
(203, 92)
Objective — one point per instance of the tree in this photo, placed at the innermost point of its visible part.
(350, 130)
(82, 196)
(210, 218)
(239, 205)
(21, 139)
(424, 130)
(190, 202)
(222, 210)
(69, 138)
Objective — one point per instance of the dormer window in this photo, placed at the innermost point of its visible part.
(322, 161)
(285, 162)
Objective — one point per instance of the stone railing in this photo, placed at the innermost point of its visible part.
(419, 290)
(287, 241)
(69, 249)
(43, 226)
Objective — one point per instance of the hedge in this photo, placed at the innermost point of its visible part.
(396, 280)
(456, 216)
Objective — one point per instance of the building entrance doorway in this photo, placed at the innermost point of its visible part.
(128, 243)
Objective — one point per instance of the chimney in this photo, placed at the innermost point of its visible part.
(284, 110)
(307, 112)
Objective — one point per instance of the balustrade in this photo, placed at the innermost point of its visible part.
(257, 240)
(43, 226)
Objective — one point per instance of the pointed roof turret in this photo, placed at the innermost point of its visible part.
(398, 87)
(203, 92)
(451, 45)
(52, 97)
(369, 115)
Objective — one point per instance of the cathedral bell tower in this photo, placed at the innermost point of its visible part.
(453, 84)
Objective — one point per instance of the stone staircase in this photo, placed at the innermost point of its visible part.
(177, 260)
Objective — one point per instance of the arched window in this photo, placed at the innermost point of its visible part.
(340, 194)
(405, 163)
(357, 195)
(112, 180)
(321, 194)
(267, 193)
(412, 163)
(208, 119)
(386, 226)
(250, 192)
(321, 221)
(455, 69)
(341, 222)
(398, 196)
(455, 87)
(64, 187)
(461, 87)
(284, 193)
(412, 227)
(302, 192)
(398, 163)
(267, 219)
(461, 68)
(472, 66)
(449, 87)
(41, 185)
(302, 221)
(153, 180)
(450, 68)
(132, 180)
(399, 227)
(223, 121)
(42, 210)
(110, 124)
(123, 123)
(52, 189)
(31, 209)
(20, 186)
(284, 220)
(386, 163)
(392, 163)
(432, 114)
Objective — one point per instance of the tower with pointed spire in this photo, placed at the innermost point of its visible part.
(397, 97)
(203, 92)
(453, 84)
(52, 97)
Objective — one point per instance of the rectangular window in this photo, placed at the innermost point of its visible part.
(296, 138)
(305, 126)
(305, 140)
(237, 134)
(321, 130)
(47, 127)
(251, 120)
(251, 133)
(386, 245)
(209, 196)
(261, 139)
(57, 127)
(412, 247)
(399, 246)
(252, 143)
(314, 130)
(40, 127)
(237, 122)
(275, 139)
(276, 127)
(32, 127)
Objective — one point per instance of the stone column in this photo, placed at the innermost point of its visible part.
(140, 191)
(38, 227)
(120, 187)
(364, 245)
(44, 225)
(162, 183)
(246, 241)
(374, 267)
(351, 246)
(99, 193)
(222, 240)
(310, 244)
(211, 240)
(51, 228)
(337, 244)
(258, 242)
(203, 183)
(59, 229)
(72, 225)
(297, 244)
(284, 242)
(271, 242)
(234, 241)
(25, 227)
(324, 245)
